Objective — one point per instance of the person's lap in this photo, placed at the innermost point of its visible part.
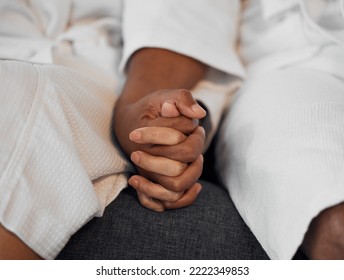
(211, 228)
(53, 175)
(280, 153)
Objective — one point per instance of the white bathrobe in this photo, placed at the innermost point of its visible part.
(60, 71)
(281, 147)
(59, 80)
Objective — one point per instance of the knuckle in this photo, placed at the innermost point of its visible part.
(173, 197)
(178, 196)
(148, 112)
(189, 125)
(184, 125)
(189, 152)
(177, 185)
(183, 93)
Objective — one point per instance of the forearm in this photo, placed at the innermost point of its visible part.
(151, 69)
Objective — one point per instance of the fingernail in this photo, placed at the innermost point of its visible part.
(169, 110)
(135, 135)
(133, 182)
(202, 158)
(197, 108)
(135, 157)
(168, 104)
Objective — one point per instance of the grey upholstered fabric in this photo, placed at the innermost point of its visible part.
(209, 229)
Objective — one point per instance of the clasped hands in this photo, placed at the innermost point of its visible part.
(161, 135)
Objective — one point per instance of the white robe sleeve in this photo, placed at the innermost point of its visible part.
(202, 29)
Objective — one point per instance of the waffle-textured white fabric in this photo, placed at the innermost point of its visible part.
(281, 148)
(58, 165)
(59, 79)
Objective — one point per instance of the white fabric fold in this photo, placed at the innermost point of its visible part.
(59, 167)
(280, 150)
(202, 29)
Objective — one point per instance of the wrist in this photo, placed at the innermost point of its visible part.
(152, 69)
